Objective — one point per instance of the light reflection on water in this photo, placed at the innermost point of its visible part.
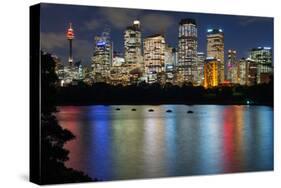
(128, 144)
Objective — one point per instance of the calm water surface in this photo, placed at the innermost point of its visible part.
(125, 144)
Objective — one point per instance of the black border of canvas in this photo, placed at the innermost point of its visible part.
(34, 89)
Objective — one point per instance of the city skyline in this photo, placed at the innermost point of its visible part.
(241, 32)
(133, 93)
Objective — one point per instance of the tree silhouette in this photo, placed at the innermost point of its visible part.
(53, 136)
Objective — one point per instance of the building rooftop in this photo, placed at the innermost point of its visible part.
(155, 35)
(214, 31)
(133, 27)
(261, 48)
(187, 21)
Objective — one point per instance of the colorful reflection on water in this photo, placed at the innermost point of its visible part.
(115, 144)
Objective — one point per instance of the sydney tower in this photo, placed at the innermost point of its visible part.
(70, 37)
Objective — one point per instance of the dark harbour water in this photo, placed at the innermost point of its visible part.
(126, 144)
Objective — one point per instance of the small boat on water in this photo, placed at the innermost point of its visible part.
(169, 111)
(117, 109)
(190, 112)
(134, 109)
(151, 110)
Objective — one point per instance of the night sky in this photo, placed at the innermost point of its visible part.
(241, 32)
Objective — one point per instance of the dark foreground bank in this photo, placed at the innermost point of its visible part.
(156, 94)
(52, 155)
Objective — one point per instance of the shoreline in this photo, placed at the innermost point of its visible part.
(104, 94)
(160, 104)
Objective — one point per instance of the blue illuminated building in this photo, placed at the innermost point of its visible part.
(102, 57)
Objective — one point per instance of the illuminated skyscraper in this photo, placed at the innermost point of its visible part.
(187, 50)
(154, 56)
(175, 57)
(211, 72)
(200, 68)
(70, 37)
(231, 68)
(169, 64)
(118, 72)
(263, 57)
(168, 55)
(132, 44)
(252, 72)
(215, 48)
(102, 58)
(247, 72)
(242, 70)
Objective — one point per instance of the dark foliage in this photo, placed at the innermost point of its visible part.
(101, 93)
(53, 136)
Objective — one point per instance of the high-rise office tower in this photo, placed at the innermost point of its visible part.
(231, 67)
(211, 72)
(187, 50)
(154, 56)
(70, 37)
(132, 44)
(102, 57)
(252, 72)
(200, 68)
(168, 55)
(169, 64)
(247, 72)
(215, 49)
(263, 57)
(242, 70)
(175, 56)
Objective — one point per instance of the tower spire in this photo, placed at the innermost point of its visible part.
(70, 37)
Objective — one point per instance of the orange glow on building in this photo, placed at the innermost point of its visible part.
(210, 73)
